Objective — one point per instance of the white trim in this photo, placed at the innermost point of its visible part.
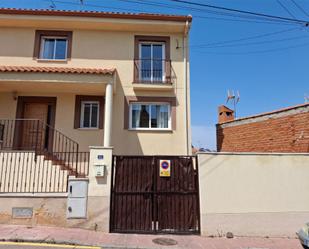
(55, 45)
(82, 112)
(169, 128)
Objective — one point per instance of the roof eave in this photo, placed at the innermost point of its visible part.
(116, 15)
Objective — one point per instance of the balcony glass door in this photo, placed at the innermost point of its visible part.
(152, 58)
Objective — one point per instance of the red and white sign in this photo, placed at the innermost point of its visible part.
(165, 168)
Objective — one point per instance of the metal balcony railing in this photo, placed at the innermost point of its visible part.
(153, 71)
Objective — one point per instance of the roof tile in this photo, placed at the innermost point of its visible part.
(99, 14)
(24, 69)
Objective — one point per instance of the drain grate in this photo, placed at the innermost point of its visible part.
(255, 248)
(164, 241)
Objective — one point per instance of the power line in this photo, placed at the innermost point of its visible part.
(151, 3)
(214, 12)
(285, 8)
(96, 6)
(256, 43)
(305, 22)
(243, 20)
(52, 4)
(255, 52)
(247, 38)
(300, 8)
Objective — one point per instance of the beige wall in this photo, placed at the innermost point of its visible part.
(99, 49)
(253, 194)
(51, 211)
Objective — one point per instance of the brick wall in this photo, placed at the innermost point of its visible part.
(284, 133)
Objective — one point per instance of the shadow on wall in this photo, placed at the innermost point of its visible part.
(131, 142)
(220, 137)
(124, 142)
(208, 161)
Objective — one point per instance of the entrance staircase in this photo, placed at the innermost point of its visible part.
(45, 142)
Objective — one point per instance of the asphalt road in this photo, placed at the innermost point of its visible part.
(20, 245)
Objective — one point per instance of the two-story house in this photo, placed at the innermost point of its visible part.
(94, 79)
(84, 95)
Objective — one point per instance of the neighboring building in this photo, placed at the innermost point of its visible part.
(285, 130)
(97, 78)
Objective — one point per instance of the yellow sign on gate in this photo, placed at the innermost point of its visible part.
(165, 168)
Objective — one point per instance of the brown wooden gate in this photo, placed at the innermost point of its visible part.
(144, 202)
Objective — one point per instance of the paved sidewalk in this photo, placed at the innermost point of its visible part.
(86, 237)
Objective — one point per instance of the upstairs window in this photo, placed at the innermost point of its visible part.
(52, 45)
(152, 62)
(53, 48)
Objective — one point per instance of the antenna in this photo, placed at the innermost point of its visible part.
(234, 98)
(52, 4)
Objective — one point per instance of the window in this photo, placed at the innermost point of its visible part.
(150, 116)
(54, 48)
(52, 45)
(89, 114)
(152, 61)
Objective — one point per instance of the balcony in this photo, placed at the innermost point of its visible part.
(153, 73)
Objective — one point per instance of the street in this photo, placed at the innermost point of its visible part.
(26, 245)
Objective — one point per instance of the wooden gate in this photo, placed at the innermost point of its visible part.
(142, 201)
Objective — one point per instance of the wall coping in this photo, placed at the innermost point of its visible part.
(101, 147)
(35, 195)
(254, 153)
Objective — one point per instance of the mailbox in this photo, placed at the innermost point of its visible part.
(99, 169)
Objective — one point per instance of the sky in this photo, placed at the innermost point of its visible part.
(267, 62)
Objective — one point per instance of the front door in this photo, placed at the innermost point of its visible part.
(34, 131)
(35, 117)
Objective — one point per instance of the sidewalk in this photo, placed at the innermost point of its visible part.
(86, 237)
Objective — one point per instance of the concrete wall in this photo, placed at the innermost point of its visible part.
(97, 49)
(253, 194)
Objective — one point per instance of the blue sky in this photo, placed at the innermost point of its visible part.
(270, 72)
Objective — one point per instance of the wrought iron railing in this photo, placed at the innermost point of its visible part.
(153, 71)
(43, 139)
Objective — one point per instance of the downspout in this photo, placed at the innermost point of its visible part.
(186, 88)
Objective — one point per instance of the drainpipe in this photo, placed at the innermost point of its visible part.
(186, 88)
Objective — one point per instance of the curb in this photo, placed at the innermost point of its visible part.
(73, 243)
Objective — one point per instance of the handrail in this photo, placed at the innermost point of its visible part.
(36, 135)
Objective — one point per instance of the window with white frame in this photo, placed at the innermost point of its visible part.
(152, 61)
(53, 48)
(150, 116)
(89, 114)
